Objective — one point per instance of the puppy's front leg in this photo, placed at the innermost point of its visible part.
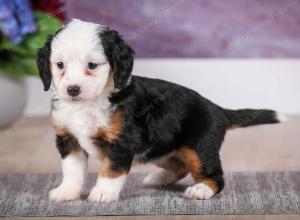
(74, 166)
(109, 183)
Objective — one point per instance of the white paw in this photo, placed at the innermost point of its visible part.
(100, 195)
(163, 177)
(199, 191)
(64, 193)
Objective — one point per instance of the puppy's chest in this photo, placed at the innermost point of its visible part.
(84, 123)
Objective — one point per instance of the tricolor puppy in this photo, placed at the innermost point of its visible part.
(99, 109)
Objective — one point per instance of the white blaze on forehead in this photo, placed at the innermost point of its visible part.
(79, 40)
(77, 44)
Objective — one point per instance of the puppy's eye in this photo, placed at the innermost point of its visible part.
(60, 65)
(92, 65)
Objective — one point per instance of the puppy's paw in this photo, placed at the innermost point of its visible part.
(163, 177)
(64, 193)
(98, 194)
(199, 191)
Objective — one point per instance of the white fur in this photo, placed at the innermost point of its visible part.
(281, 117)
(107, 189)
(82, 119)
(74, 167)
(199, 191)
(77, 45)
(160, 178)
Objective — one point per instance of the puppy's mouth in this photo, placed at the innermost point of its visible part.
(75, 99)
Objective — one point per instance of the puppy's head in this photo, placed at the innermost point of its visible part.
(79, 61)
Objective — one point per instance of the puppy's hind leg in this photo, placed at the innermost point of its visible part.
(207, 174)
(173, 170)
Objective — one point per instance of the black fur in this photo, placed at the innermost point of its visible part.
(43, 62)
(119, 54)
(159, 116)
(162, 116)
(65, 144)
(120, 158)
(249, 117)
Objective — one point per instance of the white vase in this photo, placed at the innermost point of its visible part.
(12, 99)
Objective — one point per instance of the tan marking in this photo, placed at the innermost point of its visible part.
(110, 82)
(234, 126)
(59, 131)
(211, 183)
(74, 143)
(106, 170)
(194, 163)
(192, 160)
(113, 131)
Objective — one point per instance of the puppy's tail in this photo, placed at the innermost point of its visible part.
(250, 117)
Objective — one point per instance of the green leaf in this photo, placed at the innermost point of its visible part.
(47, 25)
(19, 59)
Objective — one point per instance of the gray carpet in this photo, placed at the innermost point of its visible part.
(245, 193)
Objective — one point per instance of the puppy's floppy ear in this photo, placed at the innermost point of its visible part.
(120, 56)
(43, 62)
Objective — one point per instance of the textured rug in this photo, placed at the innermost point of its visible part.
(245, 193)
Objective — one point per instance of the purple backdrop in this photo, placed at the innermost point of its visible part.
(199, 28)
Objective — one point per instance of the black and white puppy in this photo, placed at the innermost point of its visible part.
(100, 110)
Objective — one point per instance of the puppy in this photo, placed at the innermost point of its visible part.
(100, 110)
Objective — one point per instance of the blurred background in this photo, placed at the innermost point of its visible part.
(237, 53)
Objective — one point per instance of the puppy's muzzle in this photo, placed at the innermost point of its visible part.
(73, 90)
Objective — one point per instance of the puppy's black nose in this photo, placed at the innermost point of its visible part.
(73, 90)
